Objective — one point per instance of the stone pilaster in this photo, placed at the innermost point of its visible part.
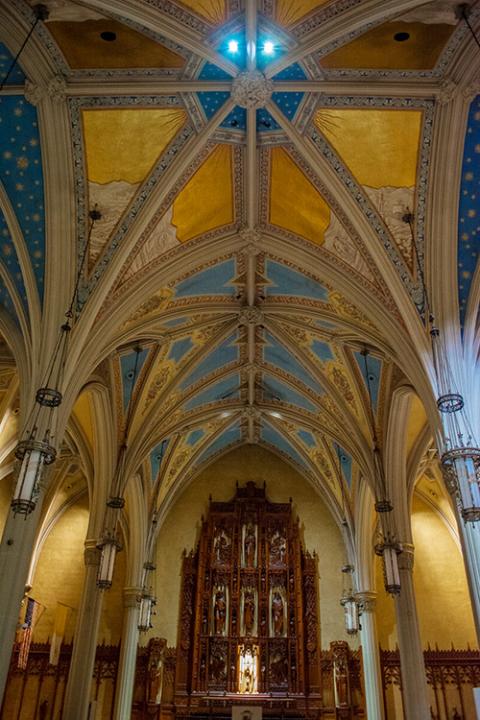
(16, 550)
(414, 681)
(371, 659)
(128, 654)
(77, 695)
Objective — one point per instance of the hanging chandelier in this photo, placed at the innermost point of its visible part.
(147, 605)
(460, 456)
(388, 547)
(109, 543)
(35, 452)
(460, 453)
(109, 546)
(348, 601)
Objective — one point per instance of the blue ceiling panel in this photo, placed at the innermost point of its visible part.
(292, 72)
(307, 438)
(222, 355)
(236, 120)
(212, 72)
(128, 363)
(229, 437)
(180, 348)
(288, 102)
(225, 389)
(275, 389)
(22, 178)
(9, 258)
(345, 463)
(156, 457)
(271, 436)
(215, 280)
(468, 213)
(16, 76)
(286, 281)
(277, 355)
(371, 371)
(212, 101)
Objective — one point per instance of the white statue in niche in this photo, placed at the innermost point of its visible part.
(247, 670)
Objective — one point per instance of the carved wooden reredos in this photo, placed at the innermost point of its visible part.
(248, 613)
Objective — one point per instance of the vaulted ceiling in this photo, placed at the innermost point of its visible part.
(253, 238)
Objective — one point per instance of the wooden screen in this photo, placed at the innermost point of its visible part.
(248, 613)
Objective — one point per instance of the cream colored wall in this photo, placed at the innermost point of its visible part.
(59, 576)
(6, 491)
(60, 571)
(441, 589)
(386, 626)
(440, 582)
(182, 526)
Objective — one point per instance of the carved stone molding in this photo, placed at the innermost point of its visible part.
(367, 601)
(57, 89)
(447, 92)
(34, 94)
(406, 557)
(131, 596)
(471, 91)
(250, 316)
(251, 238)
(250, 412)
(251, 89)
(91, 553)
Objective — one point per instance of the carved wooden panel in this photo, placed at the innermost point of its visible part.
(249, 607)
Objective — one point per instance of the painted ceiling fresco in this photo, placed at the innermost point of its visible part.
(468, 216)
(243, 260)
(22, 216)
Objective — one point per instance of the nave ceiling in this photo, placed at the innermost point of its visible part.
(245, 257)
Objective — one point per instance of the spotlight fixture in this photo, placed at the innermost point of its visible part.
(233, 46)
(268, 47)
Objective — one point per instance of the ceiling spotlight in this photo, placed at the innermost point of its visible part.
(268, 47)
(233, 46)
(275, 414)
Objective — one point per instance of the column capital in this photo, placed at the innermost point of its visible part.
(406, 557)
(91, 553)
(131, 596)
(366, 600)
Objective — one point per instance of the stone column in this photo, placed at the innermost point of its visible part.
(370, 654)
(77, 695)
(128, 654)
(16, 551)
(470, 539)
(414, 681)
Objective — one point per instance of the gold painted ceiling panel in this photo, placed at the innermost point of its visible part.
(378, 49)
(380, 147)
(124, 144)
(83, 46)
(294, 202)
(288, 12)
(206, 202)
(211, 10)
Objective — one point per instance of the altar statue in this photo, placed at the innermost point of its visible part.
(277, 614)
(219, 612)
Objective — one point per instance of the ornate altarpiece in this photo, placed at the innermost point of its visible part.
(248, 624)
